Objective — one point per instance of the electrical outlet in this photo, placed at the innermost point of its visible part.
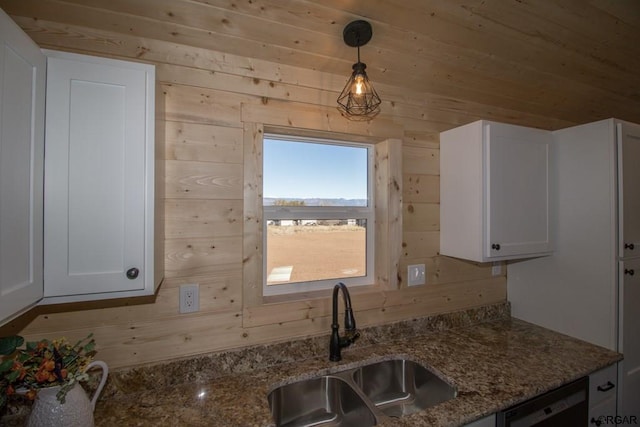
(189, 298)
(496, 269)
(416, 274)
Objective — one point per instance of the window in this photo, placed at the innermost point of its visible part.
(318, 214)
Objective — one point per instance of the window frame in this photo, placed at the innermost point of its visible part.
(323, 212)
(387, 138)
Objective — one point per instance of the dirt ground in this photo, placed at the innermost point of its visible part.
(317, 252)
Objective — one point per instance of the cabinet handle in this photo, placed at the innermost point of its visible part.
(496, 246)
(630, 272)
(596, 422)
(629, 246)
(132, 273)
(608, 386)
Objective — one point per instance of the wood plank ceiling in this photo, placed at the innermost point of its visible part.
(576, 60)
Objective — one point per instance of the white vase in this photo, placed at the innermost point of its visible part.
(76, 411)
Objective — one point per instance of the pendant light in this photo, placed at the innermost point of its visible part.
(358, 100)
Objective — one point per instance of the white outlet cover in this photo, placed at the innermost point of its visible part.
(189, 298)
(416, 274)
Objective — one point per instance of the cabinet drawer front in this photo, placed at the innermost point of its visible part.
(600, 414)
(603, 385)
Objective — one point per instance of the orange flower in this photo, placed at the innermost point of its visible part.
(10, 390)
(17, 366)
(48, 365)
(42, 376)
(31, 394)
(63, 373)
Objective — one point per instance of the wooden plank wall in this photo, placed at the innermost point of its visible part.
(203, 92)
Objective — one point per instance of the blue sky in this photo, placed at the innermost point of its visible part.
(307, 170)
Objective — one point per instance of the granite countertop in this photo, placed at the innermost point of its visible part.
(494, 363)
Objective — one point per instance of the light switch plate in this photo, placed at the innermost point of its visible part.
(496, 269)
(416, 274)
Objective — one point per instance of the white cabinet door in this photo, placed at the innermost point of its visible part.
(494, 192)
(629, 345)
(22, 92)
(99, 186)
(517, 185)
(517, 190)
(628, 137)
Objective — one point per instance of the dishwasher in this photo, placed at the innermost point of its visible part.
(566, 406)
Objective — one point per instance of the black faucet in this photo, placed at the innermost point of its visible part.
(351, 333)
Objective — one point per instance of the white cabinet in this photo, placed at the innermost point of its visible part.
(99, 179)
(84, 228)
(582, 289)
(602, 395)
(495, 199)
(22, 92)
(628, 145)
(629, 368)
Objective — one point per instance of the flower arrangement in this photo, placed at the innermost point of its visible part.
(42, 364)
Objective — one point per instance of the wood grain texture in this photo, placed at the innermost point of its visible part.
(252, 259)
(187, 218)
(198, 256)
(421, 216)
(203, 180)
(190, 141)
(229, 69)
(420, 188)
(388, 204)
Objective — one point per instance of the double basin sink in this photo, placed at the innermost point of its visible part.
(360, 396)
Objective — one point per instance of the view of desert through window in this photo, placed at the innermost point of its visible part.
(299, 253)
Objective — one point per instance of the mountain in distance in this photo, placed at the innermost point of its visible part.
(270, 201)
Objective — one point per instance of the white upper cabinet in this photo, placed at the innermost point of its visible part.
(99, 179)
(628, 141)
(78, 223)
(22, 99)
(495, 201)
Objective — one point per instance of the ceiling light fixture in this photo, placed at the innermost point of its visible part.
(358, 100)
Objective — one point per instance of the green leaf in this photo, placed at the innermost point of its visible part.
(6, 365)
(9, 344)
(88, 337)
(23, 357)
(11, 377)
(89, 347)
(32, 345)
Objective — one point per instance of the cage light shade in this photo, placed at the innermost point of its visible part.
(359, 100)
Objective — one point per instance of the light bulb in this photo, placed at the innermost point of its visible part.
(359, 85)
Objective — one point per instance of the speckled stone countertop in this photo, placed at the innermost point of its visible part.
(494, 361)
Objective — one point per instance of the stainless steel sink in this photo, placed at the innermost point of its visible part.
(401, 387)
(359, 397)
(323, 401)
